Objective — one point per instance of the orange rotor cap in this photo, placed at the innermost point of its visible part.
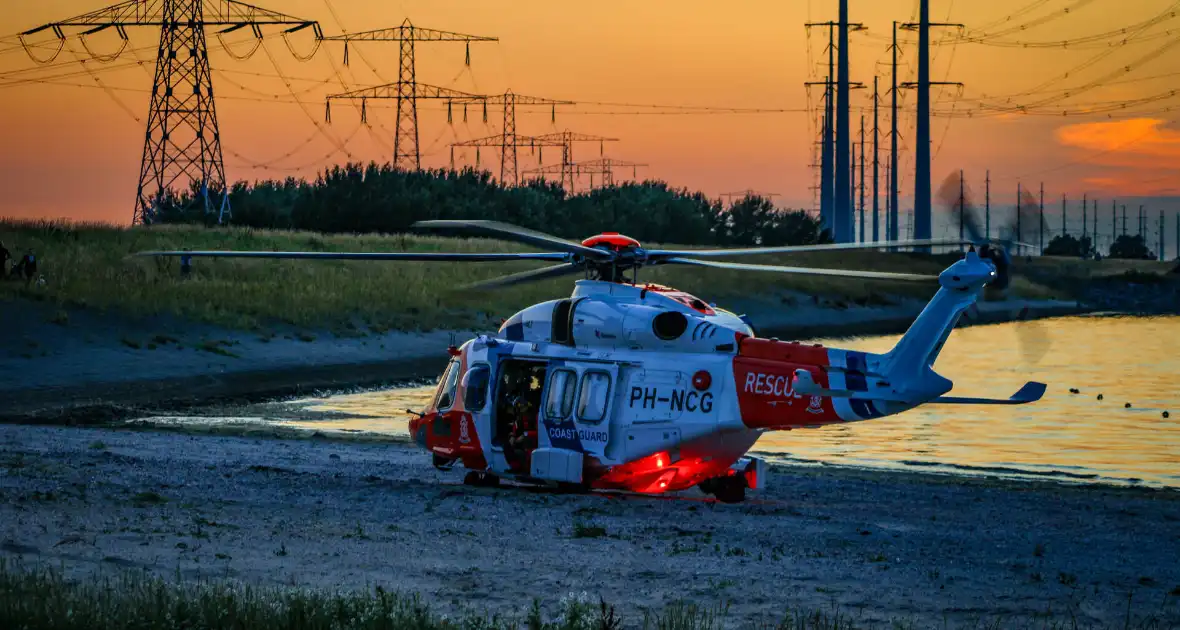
(612, 239)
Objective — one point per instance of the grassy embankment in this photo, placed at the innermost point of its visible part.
(89, 266)
(36, 599)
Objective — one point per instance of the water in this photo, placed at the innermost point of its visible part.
(1071, 437)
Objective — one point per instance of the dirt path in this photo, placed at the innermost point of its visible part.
(336, 514)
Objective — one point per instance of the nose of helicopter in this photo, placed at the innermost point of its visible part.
(969, 273)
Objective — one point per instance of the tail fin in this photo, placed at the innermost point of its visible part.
(908, 364)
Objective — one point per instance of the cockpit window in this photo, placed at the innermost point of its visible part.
(475, 388)
(450, 382)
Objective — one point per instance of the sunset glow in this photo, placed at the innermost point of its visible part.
(73, 133)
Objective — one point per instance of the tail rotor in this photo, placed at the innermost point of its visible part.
(957, 198)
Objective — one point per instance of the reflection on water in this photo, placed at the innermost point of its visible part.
(1066, 436)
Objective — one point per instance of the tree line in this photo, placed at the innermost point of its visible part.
(1131, 246)
(359, 198)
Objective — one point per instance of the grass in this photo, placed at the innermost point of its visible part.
(89, 266)
(44, 598)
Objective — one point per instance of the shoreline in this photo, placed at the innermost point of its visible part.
(335, 514)
(100, 367)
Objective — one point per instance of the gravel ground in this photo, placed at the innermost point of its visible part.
(882, 546)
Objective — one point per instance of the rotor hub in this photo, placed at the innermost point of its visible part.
(628, 255)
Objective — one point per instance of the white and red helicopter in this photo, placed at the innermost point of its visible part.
(642, 387)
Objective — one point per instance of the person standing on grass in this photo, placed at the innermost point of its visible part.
(5, 255)
(26, 267)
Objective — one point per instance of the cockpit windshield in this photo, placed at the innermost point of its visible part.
(445, 396)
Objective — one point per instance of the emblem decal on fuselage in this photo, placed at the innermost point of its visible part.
(464, 434)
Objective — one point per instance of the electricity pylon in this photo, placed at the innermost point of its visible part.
(396, 91)
(603, 166)
(836, 135)
(182, 139)
(507, 140)
(749, 192)
(923, 218)
(406, 88)
(567, 167)
(606, 167)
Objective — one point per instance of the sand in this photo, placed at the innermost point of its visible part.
(924, 549)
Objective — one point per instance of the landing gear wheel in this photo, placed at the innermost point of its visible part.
(731, 489)
(481, 480)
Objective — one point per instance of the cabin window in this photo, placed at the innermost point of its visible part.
(560, 400)
(475, 388)
(450, 382)
(594, 396)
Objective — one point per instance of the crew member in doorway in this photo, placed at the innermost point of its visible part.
(523, 439)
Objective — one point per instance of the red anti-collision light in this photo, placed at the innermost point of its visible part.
(702, 380)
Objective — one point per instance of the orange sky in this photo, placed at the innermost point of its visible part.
(74, 152)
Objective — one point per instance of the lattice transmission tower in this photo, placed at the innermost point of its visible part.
(567, 168)
(406, 89)
(182, 143)
(508, 141)
(606, 166)
(743, 194)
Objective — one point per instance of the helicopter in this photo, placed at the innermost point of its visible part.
(634, 386)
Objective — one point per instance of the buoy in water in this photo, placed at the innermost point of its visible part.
(1099, 396)
(1164, 414)
(1126, 405)
(1074, 390)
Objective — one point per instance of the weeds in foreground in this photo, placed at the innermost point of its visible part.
(43, 598)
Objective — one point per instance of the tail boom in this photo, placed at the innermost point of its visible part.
(784, 385)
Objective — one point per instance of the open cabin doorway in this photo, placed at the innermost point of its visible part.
(519, 389)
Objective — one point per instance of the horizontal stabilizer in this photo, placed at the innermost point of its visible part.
(804, 384)
(1031, 392)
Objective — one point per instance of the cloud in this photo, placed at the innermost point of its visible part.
(1136, 135)
(1135, 156)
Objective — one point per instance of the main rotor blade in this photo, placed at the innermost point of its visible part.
(792, 249)
(409, 256)
(532, 275)
(506, 232)
(811, 271)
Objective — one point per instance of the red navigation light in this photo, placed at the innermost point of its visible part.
(453, 351)
(702, 380)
